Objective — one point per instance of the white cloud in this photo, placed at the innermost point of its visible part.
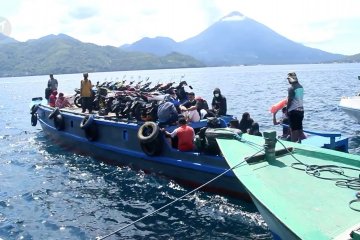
(115, 22)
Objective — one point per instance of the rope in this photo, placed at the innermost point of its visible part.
(342, 181)
(354, 201)
(176, 200)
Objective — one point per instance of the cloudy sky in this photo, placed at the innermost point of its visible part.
(330, 25)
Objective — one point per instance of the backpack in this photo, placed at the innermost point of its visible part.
(166, 111)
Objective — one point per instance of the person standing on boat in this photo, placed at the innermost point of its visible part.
(86, 93)
(219, 106)
(295, 107)
(51, 86)
(52, 83)
(185, 134)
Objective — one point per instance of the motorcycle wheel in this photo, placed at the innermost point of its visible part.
(77, 101)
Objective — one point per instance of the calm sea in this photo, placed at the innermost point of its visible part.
(49, 193)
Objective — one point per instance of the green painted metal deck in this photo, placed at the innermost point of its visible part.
(310, 207)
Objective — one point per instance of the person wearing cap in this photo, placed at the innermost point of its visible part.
(189, 108)
(295, 107)
(218, 103)
(52, 98)
(185, 134)
(86, 93)
(62, 102)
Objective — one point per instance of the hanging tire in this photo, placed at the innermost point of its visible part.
(87, 121)
(59, 122)
(90, 128)
(148, 132)
(34, 109)
(152, 148)
(91, 133)
(55, 112)
(34, 119)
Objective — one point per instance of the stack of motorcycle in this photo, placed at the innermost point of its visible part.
(132, 100)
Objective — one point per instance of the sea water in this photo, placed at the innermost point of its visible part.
(49, 193)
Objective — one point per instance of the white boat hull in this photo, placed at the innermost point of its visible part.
(351, 106)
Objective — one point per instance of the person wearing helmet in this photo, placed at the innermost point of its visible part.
(218, 103)
(86, 93)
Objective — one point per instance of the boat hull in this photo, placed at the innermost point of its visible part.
(117, 144)
(351, 106)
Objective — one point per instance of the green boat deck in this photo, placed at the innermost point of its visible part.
(312, 208)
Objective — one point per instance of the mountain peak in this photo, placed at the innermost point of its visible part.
(233, 16)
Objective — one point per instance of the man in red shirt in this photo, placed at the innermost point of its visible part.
(185, 135)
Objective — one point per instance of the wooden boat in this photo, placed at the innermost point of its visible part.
(298, 204)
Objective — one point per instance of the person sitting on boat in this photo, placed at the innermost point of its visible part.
(202, 107)
(189, 108)
(245, 122)
(62, 102)
(167, 113)
(86, 93)
(52, 98)
(219, 106)
(255, 129)
(185, 135)
(174, 99)
(234, 123)
(285, 121)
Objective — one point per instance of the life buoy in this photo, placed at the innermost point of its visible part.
(34, 119)
(87, 121)
(152, 148)
(59, 122)
(55, 112)
(148, 132)
(34, 109)
(90, 128)
(276, 107)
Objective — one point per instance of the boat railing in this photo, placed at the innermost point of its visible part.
(331, 135)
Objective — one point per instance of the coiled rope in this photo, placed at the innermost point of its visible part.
(342, 181)
(176, 200)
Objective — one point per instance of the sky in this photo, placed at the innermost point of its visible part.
(329, 25)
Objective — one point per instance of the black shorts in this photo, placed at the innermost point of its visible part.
(296, 117)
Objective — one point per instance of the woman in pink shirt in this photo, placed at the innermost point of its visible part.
(62, 102)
